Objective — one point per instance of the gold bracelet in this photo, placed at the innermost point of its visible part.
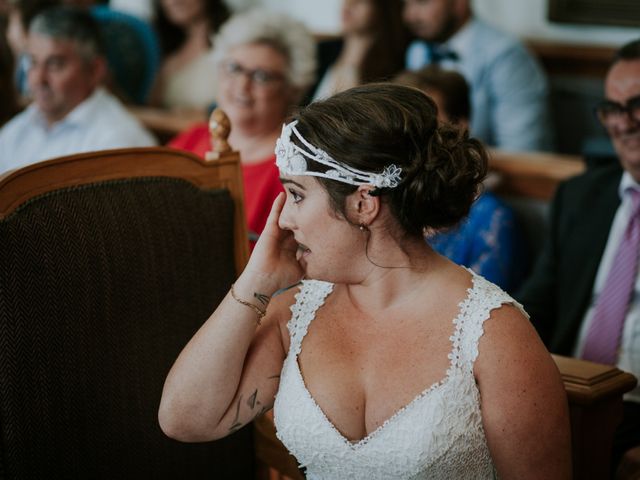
(261, 313)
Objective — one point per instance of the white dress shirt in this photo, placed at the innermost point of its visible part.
(100, 122)
(629, 354)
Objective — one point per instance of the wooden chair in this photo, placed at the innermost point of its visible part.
(110, 262)
(594, 393)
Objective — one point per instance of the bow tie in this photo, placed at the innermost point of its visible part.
(438, 52)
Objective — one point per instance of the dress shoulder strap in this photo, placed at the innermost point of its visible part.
(482, 298)
(309, 298)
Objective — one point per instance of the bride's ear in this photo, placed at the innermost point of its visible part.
(364, 207)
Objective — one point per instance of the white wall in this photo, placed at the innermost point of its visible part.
(321, 16)
(524, 18)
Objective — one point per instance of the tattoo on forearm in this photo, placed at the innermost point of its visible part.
(262, 298)
(262, 411)
(251, 401)
(236, 425)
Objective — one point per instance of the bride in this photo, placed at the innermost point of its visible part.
(387, 360)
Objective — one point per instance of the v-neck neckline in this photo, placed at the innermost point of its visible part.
(354, 444)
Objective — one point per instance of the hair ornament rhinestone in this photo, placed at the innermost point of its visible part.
(292, 160)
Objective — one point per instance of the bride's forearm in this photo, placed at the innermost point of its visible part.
(204, 380)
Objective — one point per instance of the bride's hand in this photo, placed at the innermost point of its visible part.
(273, 262)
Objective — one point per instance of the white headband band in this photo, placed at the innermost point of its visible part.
(290, 159)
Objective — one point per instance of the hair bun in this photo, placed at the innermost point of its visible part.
(445, 180)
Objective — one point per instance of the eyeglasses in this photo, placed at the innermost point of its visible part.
(610, 112)
(258, 76)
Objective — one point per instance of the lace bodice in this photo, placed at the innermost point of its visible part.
(438, 435)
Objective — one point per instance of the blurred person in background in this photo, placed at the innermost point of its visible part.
(21, 12)
(71, 112)
(186, 28)
(509, 90)
(489, 240)
(265, 63)
(373, 42)
(584, 292)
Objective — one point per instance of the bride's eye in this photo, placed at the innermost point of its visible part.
(297, 198)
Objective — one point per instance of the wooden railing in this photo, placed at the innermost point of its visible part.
(166, 124)
(532, 175)
(570, 59)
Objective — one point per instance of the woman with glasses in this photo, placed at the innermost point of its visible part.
(265, 62)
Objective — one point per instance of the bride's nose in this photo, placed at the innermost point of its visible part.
(285, 221)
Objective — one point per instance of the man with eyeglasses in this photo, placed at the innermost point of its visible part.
(71, 111)
(583, 296)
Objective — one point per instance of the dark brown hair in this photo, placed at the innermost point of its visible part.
(385, 57)
(450, 84)
(172, 36)
(373, 126)
(8, 94)
(629, 51)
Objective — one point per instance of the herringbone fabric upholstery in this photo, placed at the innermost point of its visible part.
(100, 288)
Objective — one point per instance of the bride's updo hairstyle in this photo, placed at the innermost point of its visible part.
(376, 125)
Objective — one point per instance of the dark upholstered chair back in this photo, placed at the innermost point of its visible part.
(101, 285)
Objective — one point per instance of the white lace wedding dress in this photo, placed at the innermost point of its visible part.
(438, 435)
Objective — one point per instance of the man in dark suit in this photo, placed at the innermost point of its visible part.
(578, 280)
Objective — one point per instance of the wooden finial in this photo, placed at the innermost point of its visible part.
(219, 128)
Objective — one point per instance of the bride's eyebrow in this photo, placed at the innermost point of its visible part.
(284, 181)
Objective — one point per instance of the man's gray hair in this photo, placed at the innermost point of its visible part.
(70, 23)
(278, 30)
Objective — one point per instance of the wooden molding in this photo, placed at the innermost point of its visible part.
(559, 58)
(588, 383)
(534, 175)
(166, 124)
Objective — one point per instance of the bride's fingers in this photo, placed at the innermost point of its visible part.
(276, 210)
(289, 243)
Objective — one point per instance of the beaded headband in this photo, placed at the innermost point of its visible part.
(290, 159)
